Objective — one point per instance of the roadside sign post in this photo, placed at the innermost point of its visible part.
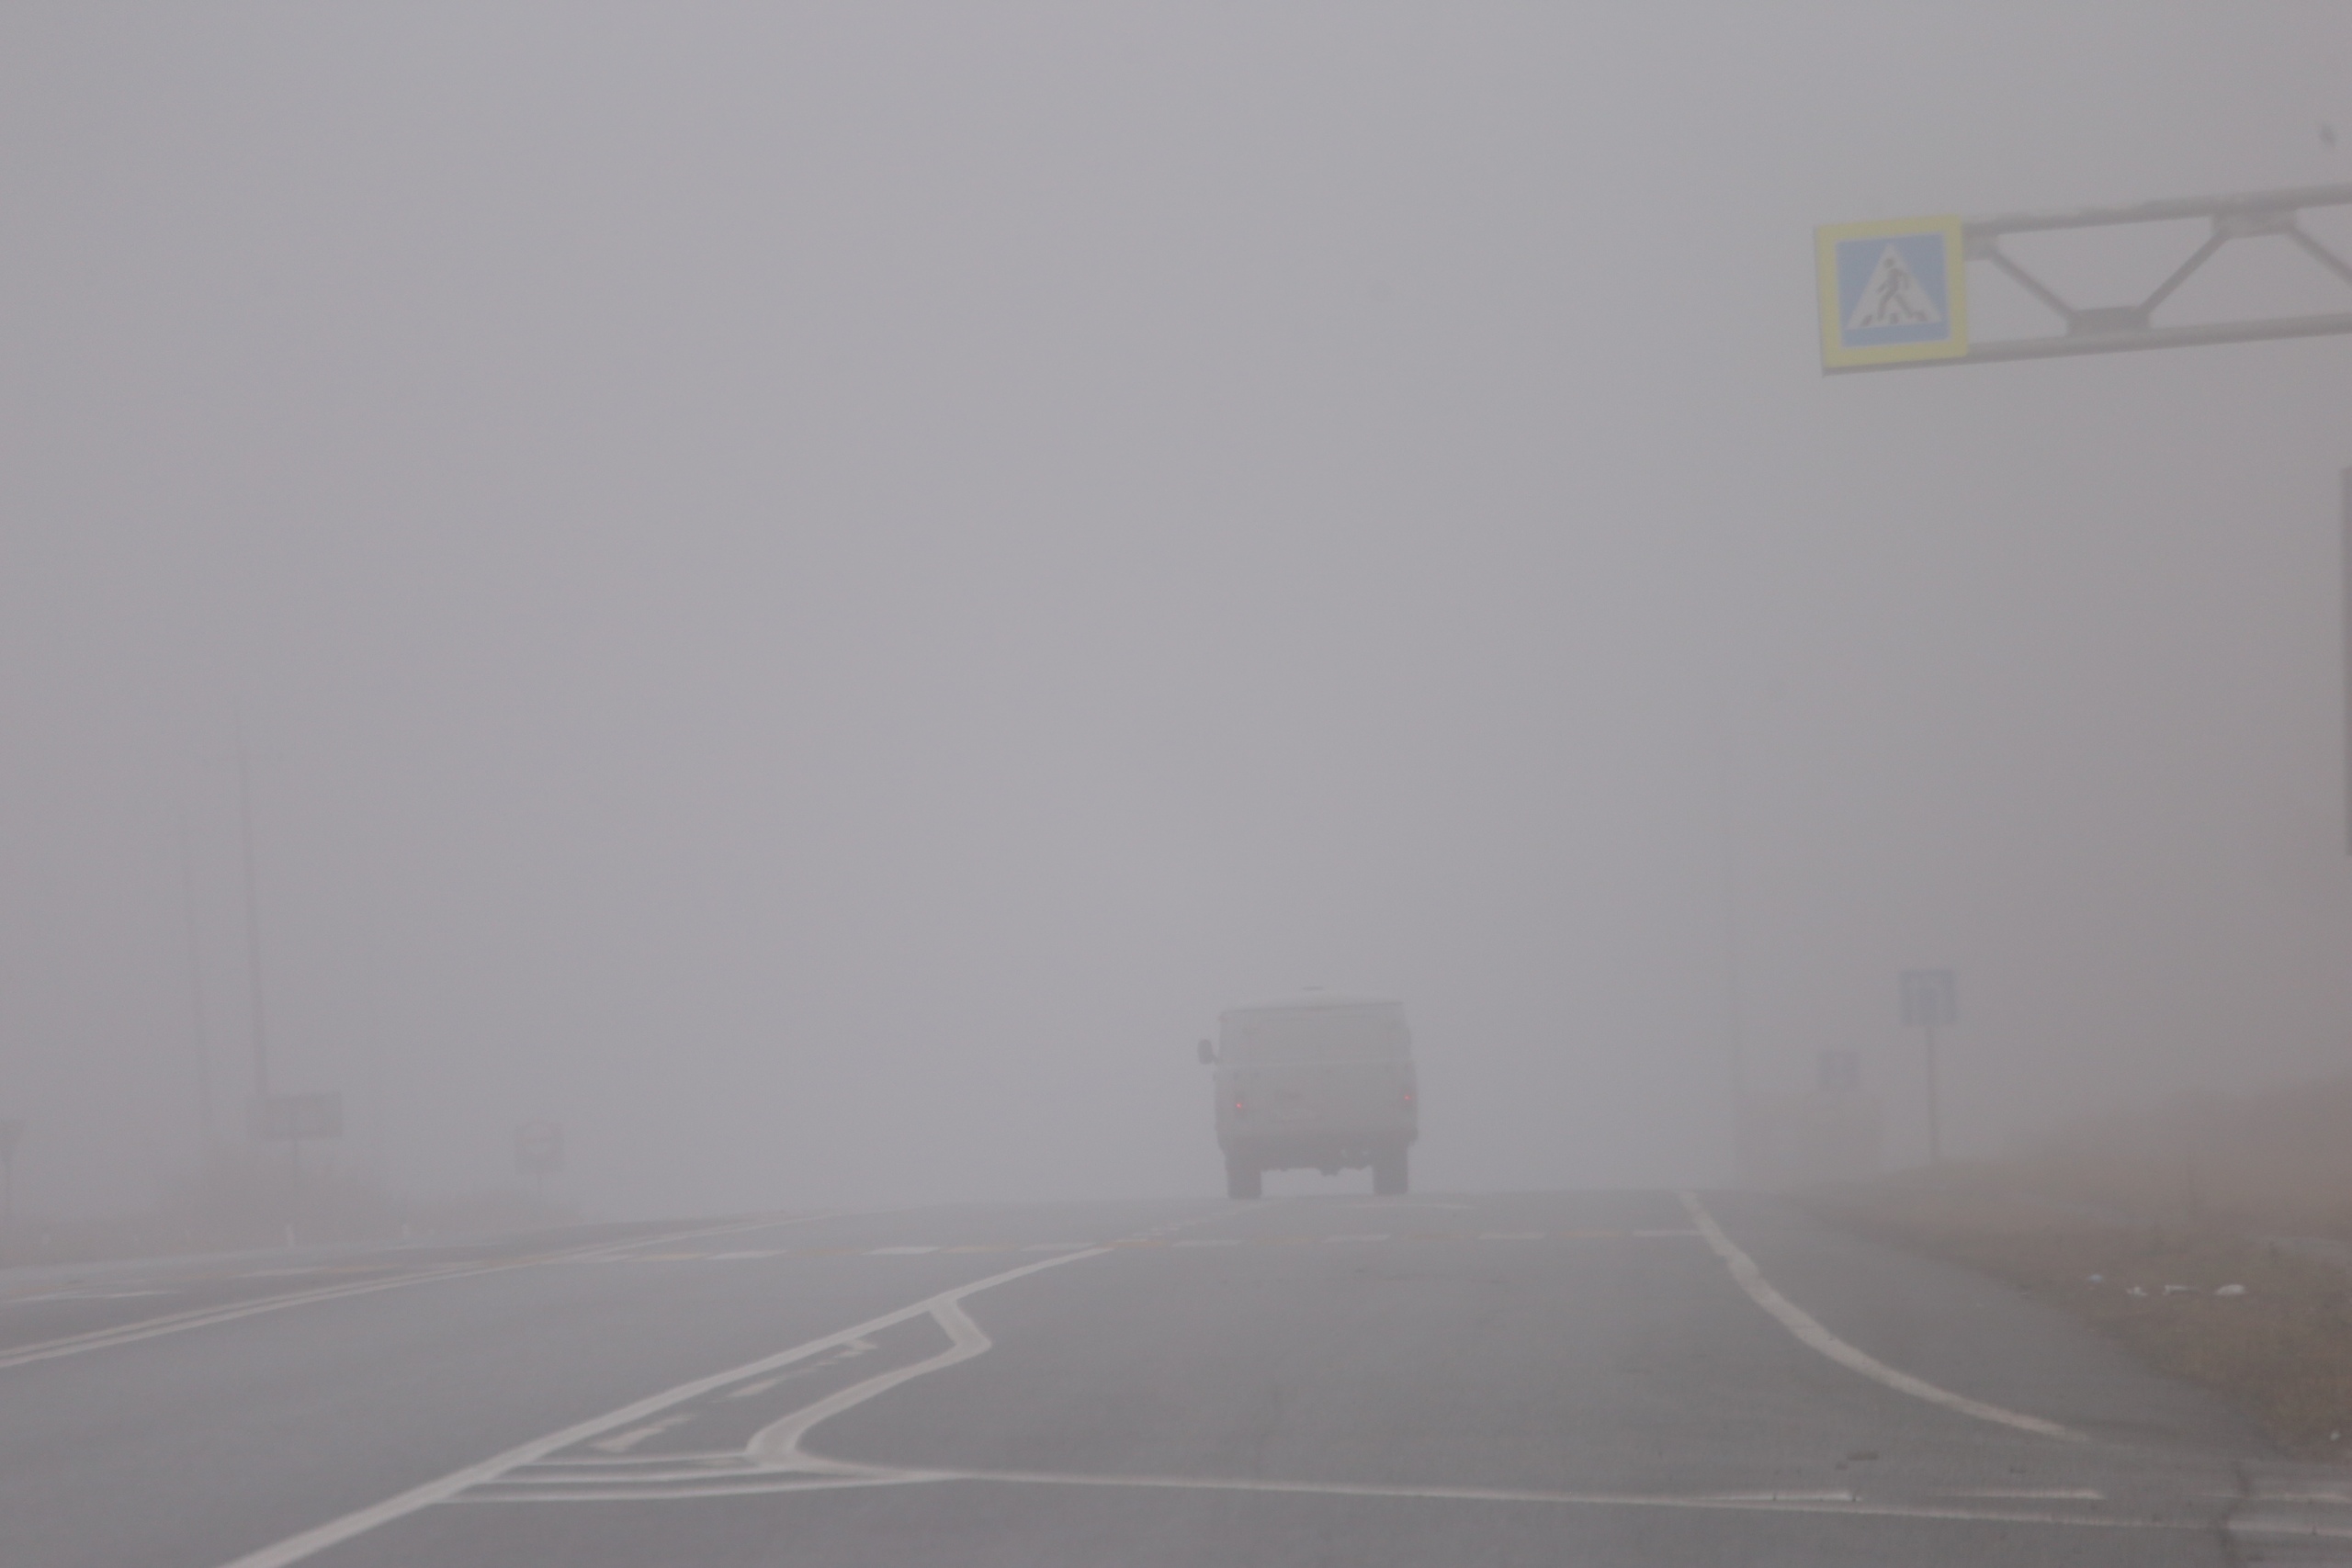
(12, 1131)
(538, 1151)
(1930, 1001)
(288, 1119)
(1837, 1072)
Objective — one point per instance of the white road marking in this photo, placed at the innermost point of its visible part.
(621, 1442)
(1058, 1246)
(1510, 1236)
(201, 1317)
(777, 1460)
(897, 1251)
(686, 1486)
(1209, 1241)
(310, 1543)
(848, 1352)
(732, 1257)
(1784, 1503)
(1682, 1231)
(1802, 1323)
(1367, 1235)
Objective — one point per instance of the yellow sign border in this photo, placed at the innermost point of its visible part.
(1834, 354)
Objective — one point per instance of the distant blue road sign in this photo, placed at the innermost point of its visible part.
(1930, 999)
(1891, 292)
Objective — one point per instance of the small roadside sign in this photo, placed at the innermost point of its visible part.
(1890, 291)
(538, 1148)
(1930, 999)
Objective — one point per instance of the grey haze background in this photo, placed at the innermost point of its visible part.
(811, 588)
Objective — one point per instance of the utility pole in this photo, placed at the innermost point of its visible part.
(11, 1132)
(2347, 480)
(1734, 1043)
(252, 926)
(195, 1000)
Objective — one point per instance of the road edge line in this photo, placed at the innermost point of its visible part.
(1809, 1331)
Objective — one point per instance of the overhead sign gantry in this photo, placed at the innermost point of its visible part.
(1894, 294)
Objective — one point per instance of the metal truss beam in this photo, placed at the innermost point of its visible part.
(2117, 329)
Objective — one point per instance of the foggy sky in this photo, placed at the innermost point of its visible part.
(811, 590)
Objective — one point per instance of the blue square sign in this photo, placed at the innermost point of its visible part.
(1891, 292)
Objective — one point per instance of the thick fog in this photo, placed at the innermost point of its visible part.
(809, 591)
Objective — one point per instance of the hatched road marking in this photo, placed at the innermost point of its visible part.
(776, 1459)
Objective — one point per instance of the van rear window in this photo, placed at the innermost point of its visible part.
(1316, 1035)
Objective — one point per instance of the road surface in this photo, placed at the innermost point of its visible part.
(1613, 1378)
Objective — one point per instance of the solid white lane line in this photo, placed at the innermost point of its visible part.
(202, 1317)
(294, 1548)
(1808, 1329)
(1845, 1505)
(898, 1251)
(1783, 1503)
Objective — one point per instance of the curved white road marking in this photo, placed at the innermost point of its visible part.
(201, 1317)
(294, 1548)
(1802, 1323)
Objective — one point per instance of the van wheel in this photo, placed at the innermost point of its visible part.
(1389, 1179)
(1243, 1179)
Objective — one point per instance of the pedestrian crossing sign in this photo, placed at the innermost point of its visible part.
(1891, 292)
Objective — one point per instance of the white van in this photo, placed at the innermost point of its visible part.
(1317, 1082)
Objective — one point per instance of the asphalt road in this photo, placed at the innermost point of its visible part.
(1626, 1378)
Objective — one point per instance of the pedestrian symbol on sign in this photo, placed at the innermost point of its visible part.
(1891, 292)
(1891, 298)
